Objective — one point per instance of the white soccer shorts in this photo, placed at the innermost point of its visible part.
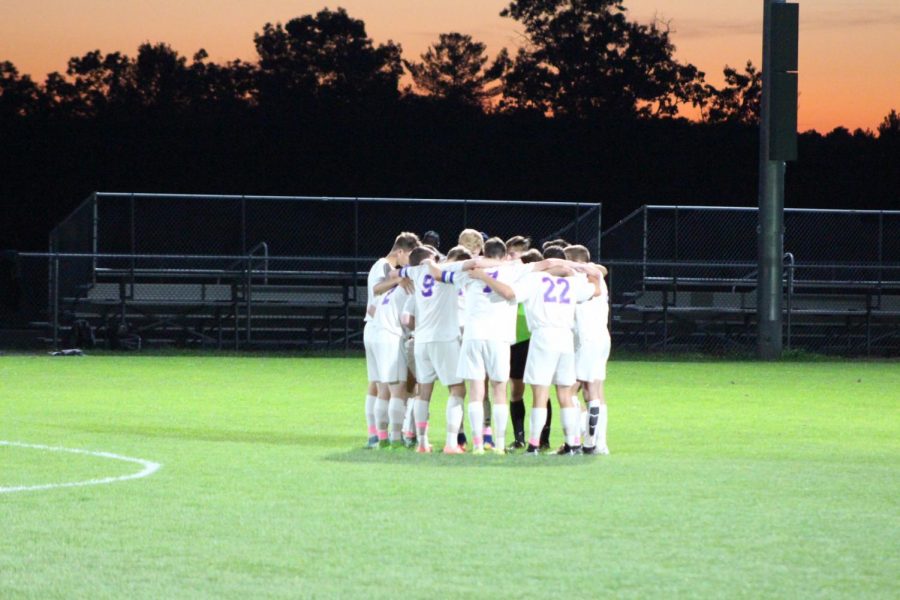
(368, 335)
(410, 347)
(480, 357)
(551, 358)
(438, 361)
(389, 357)
(590, 360)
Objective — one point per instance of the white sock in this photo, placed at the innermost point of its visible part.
(538, 419)
(454, 419)
(421, 416)
(381, 418)
(500, 419)
(476, 419)
(396, 412)
(570, 422)
(584, 425)
(370, 415)
(409, 422)
(600, 435)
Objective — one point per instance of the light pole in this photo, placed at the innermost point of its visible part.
(777, 144)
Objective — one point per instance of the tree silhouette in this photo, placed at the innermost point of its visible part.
(18, 94)
(453, 69)
(889, 128)
(585, 57)
(739, 100)
(328, 57)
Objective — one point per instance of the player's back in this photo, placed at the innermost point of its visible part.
(377, 273)
(489, 316)
(592, 317)
(388, 307)
(550, 301)
(437, 317)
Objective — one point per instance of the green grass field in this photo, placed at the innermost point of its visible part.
(725, 480)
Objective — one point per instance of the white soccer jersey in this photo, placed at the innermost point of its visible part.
(489, 316)
(592, 317)
(550, 304)
(377, 274)
(388, 307)
(436, 313)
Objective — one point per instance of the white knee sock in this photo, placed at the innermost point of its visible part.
(454, 419)
(600, 435)
(409, 422)
(396, 412)
(476, 420)
(421, 416)
(538, 419)
(570, 423)
(381, 418)
(370, 415)
(500, 419)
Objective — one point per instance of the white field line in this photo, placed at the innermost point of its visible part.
(150, 468)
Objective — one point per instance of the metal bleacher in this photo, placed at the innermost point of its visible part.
(687, 281)
(239, 272)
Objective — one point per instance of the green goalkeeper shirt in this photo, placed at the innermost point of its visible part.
(522, 332)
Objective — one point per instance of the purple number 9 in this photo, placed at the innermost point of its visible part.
(428, 286)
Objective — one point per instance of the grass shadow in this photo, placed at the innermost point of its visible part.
(409, 458)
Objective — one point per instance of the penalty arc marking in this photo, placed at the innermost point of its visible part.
(149, 468)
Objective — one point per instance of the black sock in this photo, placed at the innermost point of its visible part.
(517, 414)
(545, 432)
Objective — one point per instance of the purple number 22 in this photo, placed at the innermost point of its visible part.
(563, 297)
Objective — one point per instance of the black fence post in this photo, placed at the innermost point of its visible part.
(55, 295)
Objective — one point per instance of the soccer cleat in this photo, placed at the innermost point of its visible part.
(488, 441)
(567, 450)
(532, 449)
(499, 450)
(383, 445)
(424, 450)
(516, 445)
(372, 443)
(409, 442)
(461, 440)
(453, 450)
(398, 445)
(478, 451)
(545, 446)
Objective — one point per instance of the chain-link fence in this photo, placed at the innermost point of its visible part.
(118, 223)
(240, 271)
(685, 277)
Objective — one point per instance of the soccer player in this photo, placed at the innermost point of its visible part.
(377, 284)
(436, 348)
(518, 355)
(489, 331)
(550, 300)
(592, 345)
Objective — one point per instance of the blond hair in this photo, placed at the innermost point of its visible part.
(472, 241)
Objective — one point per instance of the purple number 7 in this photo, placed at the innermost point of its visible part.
(487, 288)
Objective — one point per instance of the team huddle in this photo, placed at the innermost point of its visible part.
(488, 313)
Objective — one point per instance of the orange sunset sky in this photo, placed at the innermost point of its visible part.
(849, 50)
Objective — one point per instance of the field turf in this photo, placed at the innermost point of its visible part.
(740, 479)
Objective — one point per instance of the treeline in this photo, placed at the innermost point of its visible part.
(588, 109)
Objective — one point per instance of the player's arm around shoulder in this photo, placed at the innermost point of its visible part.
(498, 287)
